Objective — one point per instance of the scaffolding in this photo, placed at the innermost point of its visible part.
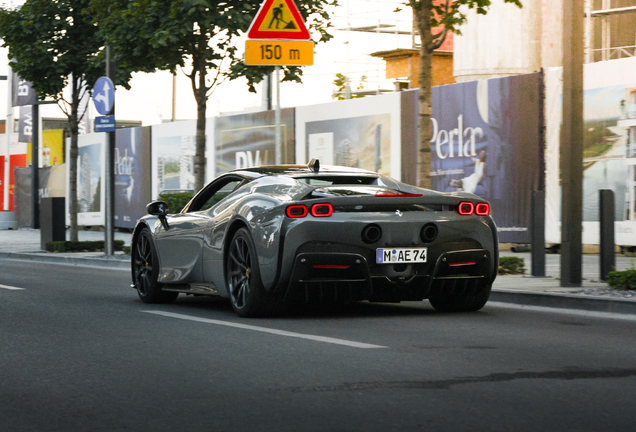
(609, 30)
(372, 25)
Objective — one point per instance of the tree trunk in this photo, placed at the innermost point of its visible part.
(423, 21)
(72, 183)
(200, 95)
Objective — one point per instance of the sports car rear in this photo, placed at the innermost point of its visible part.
(385, 247)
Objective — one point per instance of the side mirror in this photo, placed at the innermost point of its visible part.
(159, 209)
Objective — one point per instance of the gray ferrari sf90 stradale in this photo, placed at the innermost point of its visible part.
(271, 236)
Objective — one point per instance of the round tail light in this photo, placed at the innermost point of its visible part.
(482, 209)
(322, 210)
(466, 208)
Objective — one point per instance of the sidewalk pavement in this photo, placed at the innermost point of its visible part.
(593, 295)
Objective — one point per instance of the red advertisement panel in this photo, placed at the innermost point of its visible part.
(14, 161)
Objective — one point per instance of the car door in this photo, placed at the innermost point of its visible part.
(180, 247)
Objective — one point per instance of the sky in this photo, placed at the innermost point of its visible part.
(150, 98)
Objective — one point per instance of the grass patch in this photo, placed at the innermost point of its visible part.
(510, 265)
(81, 246)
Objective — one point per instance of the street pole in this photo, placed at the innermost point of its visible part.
(268, 83)
(174, 97)
(571, 156)
(279, 153)
(8, 126)
(35, 167)
(110, 178)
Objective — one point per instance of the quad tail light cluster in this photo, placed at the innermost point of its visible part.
(469, 208)
(316, 210)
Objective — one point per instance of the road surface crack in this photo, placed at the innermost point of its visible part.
(566, 374)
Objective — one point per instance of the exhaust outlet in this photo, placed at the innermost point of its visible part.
(428, 232)
(371, 233)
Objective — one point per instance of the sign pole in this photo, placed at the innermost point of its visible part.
(278, 37)
(279, 146)
(110, 183)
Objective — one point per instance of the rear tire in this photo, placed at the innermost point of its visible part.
(248, 296)
(145, 270)
(445, 301)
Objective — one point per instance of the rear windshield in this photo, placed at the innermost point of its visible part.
(338, 180)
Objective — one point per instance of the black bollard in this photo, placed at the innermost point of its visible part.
(52, 221)
(537, 233)
(607, 254)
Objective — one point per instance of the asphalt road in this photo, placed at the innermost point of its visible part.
(79, 351)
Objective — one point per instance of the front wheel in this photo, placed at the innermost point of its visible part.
(248, 295)
(145, 270)
(459, 300)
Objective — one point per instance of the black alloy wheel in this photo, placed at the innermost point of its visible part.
(239, 271)
(145, 270)
(248, 296)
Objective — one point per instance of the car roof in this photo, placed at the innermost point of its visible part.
(301, 170)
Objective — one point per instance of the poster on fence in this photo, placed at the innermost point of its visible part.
(248, 140)
(362, 133)
(608, 112)
(487, 140)
(132, 171)
(90, 180)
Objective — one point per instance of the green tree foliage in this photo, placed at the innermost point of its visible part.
(199, 36)
(341, 87)
(55, 44)
(428, 16)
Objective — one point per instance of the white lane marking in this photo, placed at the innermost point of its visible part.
(267, 330)
(11, 288)
(578, 312)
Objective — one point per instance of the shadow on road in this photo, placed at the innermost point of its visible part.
(363, 309)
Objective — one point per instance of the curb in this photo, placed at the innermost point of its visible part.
(67, 260)
(565, 301)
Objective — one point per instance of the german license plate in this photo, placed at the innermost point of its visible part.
(400, 255)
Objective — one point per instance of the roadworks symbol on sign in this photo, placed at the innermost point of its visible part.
(278, 19)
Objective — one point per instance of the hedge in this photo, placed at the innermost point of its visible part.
(176, 201)
(81, 246)
(622, 280)
(509, 265)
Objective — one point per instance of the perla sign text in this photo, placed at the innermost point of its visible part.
(444, 140)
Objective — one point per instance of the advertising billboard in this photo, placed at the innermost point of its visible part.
(172, 150)
(17, 158)
(487, 140)
(247, 140)
(90, 176)
(132, 171)
(363, 133)
(606, 89)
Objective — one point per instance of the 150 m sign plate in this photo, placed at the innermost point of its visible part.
(279, 52)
